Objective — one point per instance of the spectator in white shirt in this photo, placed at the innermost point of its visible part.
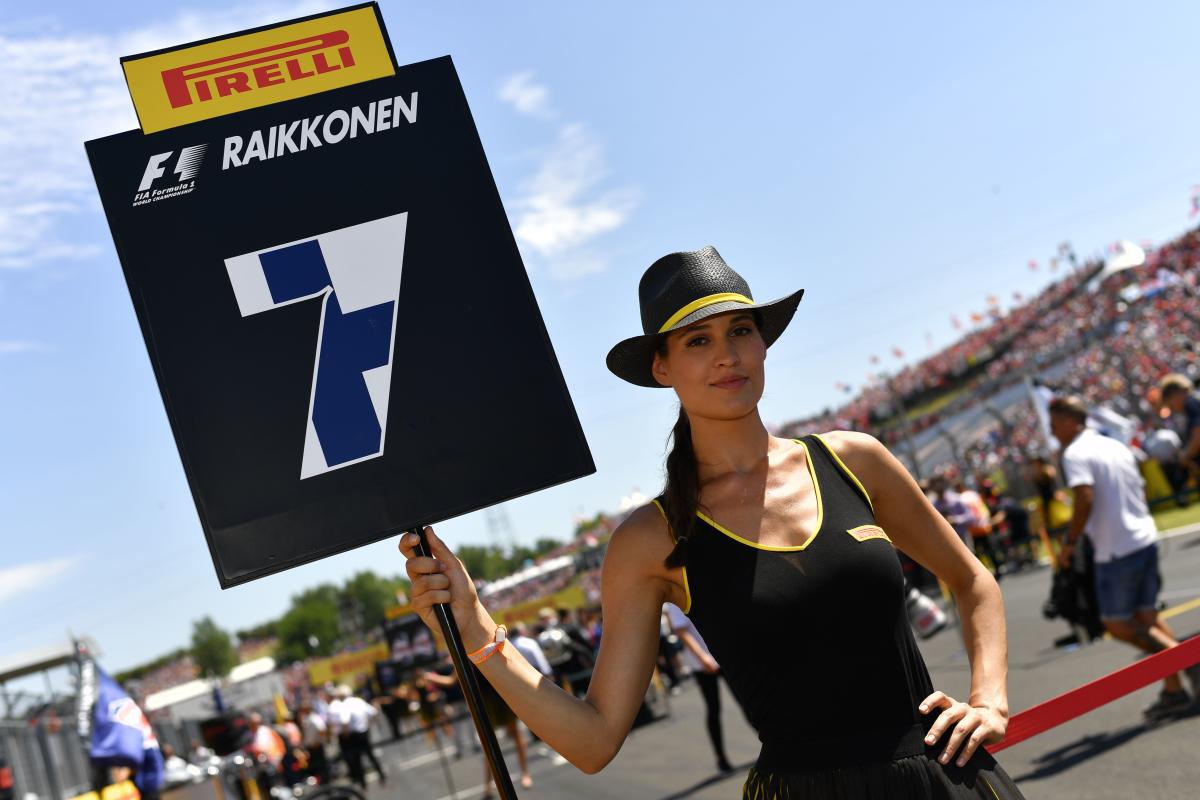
(351, 719)
(527, 646)
(1110, 507)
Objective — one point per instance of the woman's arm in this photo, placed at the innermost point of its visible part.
(915, 527)
(587, 732)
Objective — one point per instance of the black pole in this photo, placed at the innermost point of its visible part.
(466, 678)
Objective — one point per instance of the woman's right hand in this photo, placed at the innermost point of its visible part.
(441, 578)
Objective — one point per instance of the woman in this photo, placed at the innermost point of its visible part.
(803, 607)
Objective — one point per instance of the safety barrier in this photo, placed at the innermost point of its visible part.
(1090, 696)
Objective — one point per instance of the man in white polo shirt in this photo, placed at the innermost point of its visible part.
(1110, 506)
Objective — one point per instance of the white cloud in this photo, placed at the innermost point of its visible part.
(562, 208)
(19, 579)
(525, 95)
(18, 346)
(62, 88)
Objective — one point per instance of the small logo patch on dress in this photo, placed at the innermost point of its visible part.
(865, 532)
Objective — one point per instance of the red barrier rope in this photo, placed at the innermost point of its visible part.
(1091, 696)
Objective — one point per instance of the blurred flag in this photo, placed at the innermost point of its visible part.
(956, 322)
(897, 352)
(874, 359)
(1195, 201)
(1033, 265)
(1054, 265)
(122, 736)
(1126, 255)
(976, 317)
(1020, 298)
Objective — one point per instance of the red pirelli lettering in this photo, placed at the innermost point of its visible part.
(233, 73)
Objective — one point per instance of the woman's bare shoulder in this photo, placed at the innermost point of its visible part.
(643, 535)
(854, 444)
(867, 457)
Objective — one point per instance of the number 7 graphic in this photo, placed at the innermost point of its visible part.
(356, 272)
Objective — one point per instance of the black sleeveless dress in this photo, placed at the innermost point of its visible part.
(816, 645)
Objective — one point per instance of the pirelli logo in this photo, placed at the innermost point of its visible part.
(249, 70)
(258, 69)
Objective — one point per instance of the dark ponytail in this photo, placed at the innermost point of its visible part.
(681, 496)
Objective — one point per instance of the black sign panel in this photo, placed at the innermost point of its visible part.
(410, 646)
(343, 332)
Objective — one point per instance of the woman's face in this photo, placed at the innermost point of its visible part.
(715, 366)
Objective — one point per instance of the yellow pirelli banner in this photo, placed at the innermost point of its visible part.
(572, 597)
(256, 68)
(347, 667)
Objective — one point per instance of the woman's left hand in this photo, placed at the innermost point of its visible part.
(976, 725)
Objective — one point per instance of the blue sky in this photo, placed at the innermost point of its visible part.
(899, 165)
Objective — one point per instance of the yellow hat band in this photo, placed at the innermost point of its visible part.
(703, 302)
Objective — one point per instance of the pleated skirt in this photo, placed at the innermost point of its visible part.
(917, 777)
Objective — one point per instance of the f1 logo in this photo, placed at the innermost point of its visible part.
(186, 166)
(356, 272)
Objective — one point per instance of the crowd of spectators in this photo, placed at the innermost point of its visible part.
(1115, 335)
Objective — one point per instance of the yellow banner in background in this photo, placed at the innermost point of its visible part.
(572, 597)
(347, 667)
(125, 790)
(257, 68)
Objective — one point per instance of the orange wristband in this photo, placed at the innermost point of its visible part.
(490, 649)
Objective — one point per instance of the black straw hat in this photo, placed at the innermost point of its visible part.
(681, 289)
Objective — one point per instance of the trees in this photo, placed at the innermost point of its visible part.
(263, 630)
(310, 626)
(491, 562)
(212, 649)
(372, 595)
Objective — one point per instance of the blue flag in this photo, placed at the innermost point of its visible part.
(122, 736)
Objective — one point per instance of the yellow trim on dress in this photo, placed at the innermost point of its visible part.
(842, 464)
(687, 590)
(777, 548)
(696, 305)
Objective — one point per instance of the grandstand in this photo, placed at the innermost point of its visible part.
(1107, 334)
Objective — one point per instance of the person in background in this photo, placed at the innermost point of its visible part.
(501, 716)
(172, 761)
(567, 650)
(6, 779)
(980, 528)
(529, 648)
(1012, 517)
(266, 746)
(1045, 478)
(707, 673)
(351, 717)
(1110, 507)
(198, 754)
(314, 735)
(950, 505)
(1180, 397)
